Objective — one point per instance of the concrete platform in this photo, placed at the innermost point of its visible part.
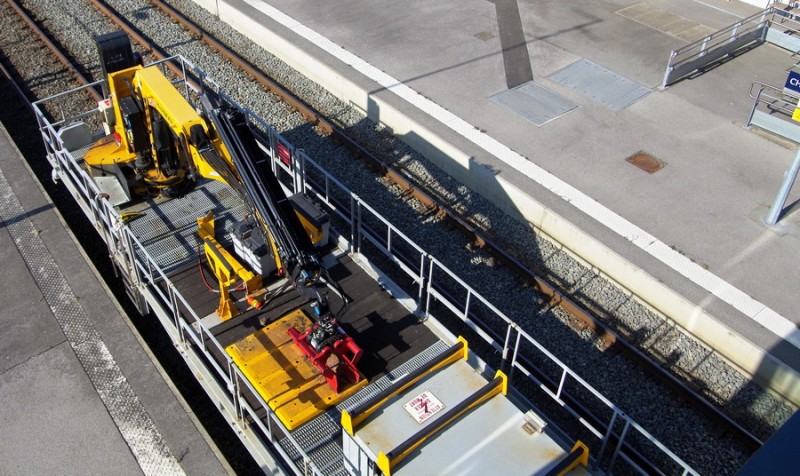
(80, 394)
(690, 237)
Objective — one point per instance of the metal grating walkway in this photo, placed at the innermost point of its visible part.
(600, 85)
(169, 229)
(320, 437)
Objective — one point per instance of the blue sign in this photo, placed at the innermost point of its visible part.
(793, 81)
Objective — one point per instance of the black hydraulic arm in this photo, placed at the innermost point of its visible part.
(297, 253)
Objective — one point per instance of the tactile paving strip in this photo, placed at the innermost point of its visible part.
(319, 437)
(135, 425)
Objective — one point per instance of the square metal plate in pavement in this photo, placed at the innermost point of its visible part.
(534, 102)
(600, 85)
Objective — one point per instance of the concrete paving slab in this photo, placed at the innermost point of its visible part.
(28, 327)
(53, 422)
(695, 33)
(53, 375)
(679, 26)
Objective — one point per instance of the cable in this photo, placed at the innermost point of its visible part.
(202, 273)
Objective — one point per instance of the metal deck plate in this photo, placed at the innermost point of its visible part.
(599, 84)
(534, 102)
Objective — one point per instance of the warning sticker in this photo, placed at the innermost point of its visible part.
(423, 406)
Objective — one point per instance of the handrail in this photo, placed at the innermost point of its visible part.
(686, 59)
(773, 97)
(149, 276)
(730, 32)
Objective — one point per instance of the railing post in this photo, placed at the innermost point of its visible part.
(783, 193)
(665, 82)
(506, 349)
(422, 281)
(301, 187)
(173, 304)
(619, 445)
(428, 289)
(561, 383)
(607, 436)
(359, 231)
(353, 224)
(704, 46)
(514, 357)
(466, 304)
(755, 105)
(734, 31)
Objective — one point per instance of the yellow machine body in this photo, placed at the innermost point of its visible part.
(139, 96)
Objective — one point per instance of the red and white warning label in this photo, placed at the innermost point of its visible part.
(423, 406)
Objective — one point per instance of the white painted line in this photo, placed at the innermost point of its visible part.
(752, 308)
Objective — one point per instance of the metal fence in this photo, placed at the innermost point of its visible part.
(619, 437)
(772, 110)
(694, 56)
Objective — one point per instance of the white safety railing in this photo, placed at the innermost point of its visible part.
(437, 289)
(773, 110)
(717, 45)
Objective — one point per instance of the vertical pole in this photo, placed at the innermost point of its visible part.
(514, 356)
(422, 281)
(506, 349)
(780, 200)
(755, 105)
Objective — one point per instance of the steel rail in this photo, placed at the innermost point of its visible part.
(55, 50)
(554, 296)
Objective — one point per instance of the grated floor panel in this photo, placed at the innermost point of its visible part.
(169, 229)
(534, 102)
(600, 85)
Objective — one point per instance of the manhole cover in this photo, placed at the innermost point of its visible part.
(646, 162)
(484, 35)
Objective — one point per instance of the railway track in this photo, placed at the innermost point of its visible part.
(426, 201)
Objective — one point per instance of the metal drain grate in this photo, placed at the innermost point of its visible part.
(534, 102)
(646, 162)
(600, 85)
